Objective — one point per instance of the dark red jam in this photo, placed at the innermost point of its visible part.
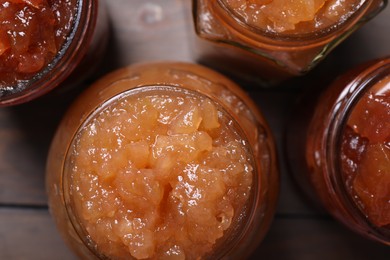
(366, 154)
(32, 33)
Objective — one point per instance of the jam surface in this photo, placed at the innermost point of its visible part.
(366, 153)
(291, 16)
(159, 175)
(31, 34)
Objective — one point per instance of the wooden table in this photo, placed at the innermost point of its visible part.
(146, 30)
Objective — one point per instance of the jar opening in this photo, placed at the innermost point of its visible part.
(191, 178)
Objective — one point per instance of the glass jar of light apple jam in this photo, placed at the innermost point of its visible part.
(163, 161)
(272, 40)
(42, 42)
(340, 153)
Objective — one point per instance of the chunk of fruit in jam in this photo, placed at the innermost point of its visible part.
(372, 183)
(371, 116)
(33, 3)
(286, 13)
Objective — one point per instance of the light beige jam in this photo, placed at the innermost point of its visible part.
(293, 16)
(159, 175)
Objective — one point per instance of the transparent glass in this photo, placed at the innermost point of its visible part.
(76, 59)
(328, 155)
(244, 50)
(249, 224)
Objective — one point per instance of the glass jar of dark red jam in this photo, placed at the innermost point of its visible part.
(43, 42)
(340, 152)
(268, 41)
(163, 160)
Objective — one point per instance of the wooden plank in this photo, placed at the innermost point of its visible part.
(25, 136)
(316, 238)
(150, 30)
(31, 234)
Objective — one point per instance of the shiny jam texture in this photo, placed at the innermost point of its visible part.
(159, 176)
(31, 34)
(293, 16)
(366, 153)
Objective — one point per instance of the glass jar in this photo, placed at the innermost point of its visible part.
(339, 151)
(59, 38)
(269, 41)
(162, 160)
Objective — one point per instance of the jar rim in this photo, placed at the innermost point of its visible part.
(238, 227)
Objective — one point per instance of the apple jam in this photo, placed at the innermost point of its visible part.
(159, 175)
(366, 153)
(286, 16)
(32, 33)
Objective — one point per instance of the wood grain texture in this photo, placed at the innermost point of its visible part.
(30, 234)
(149, 30)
